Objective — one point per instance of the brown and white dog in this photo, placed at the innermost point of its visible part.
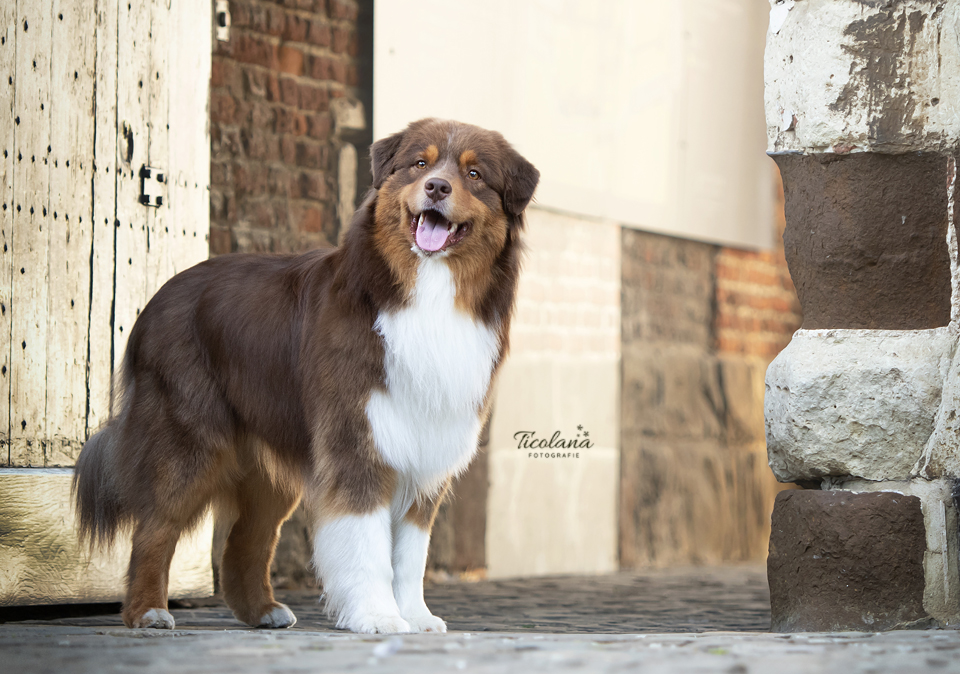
(356, 378)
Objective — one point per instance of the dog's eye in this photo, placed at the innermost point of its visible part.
(421, 164)
(474, 174)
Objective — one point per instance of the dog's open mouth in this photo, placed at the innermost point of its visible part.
(434, 233)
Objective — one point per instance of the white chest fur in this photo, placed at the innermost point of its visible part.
(438, 362)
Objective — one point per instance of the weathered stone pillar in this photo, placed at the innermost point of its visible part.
(863, 118)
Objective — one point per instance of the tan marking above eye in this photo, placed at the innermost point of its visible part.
(431, 154)
(468, 157)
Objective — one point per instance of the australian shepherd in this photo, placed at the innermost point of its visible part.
(356, 378)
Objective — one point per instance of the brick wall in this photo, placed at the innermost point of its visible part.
(275, 144)
(757, 305)
(700, 323)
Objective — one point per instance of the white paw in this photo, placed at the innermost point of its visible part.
(156, 617)
(426, 622)
(279, 616)
(378, 624)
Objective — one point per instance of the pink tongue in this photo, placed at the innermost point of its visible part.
(432, 232)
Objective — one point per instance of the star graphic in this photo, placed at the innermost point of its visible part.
(586, 434)
(579, 427)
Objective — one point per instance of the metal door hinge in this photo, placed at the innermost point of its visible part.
(152, 186)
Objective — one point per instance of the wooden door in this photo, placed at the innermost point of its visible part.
(91, 94)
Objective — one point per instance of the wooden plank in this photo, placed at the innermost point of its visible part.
(8, 36)
(71, 171)
(30, 232)
(133, 112)
(158, 155)
(43, 562)
(190, 52)
(102, 261)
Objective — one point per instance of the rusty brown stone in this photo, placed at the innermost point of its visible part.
(866, 239)
(844, 561)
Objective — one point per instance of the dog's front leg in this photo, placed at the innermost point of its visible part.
(352, 557)
(411, 539)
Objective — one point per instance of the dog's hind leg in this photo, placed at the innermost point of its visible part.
(172, 505)
(262, 505)
(154, 543)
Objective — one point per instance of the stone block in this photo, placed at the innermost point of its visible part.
(692, 502)
(849, 74)
(866, 239)
(941, 594)
(842, 561)
(672, 391)
(856, 403)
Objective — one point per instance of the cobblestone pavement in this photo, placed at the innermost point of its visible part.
(686, 620)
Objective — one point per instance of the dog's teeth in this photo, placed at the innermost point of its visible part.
(453, 228)
(420, 221)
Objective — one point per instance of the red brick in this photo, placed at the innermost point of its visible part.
(220, 241)
(230, 142)
(320, 67)
(288, 150)
(352, 79)
(289, 92)
(308, 219)
(296, 28)
(257, 50)
(338, 71)
(220, 173)
(256, 143)
(762, 278)
(312, 185)
(291, 121)
(261, 115)
(215, 139)
(223, 107)
(313, 98)
(221, 71)
(272, 84)
(343, 10)
(240, 14)
(255, 82)
(222, 207)
(291, 60)
(250, 179)
(260, 18)
(319, 34)
(261, 214)
(281, 182)
(310, 154)
(318, 126)
(341, 40)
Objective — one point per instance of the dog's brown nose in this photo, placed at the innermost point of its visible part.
(437, 189)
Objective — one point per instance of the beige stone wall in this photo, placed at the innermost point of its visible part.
(559, 515)
(699, 327)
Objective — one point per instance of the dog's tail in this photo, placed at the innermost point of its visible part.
(100, 509)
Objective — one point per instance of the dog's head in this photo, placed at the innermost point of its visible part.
(450, 188)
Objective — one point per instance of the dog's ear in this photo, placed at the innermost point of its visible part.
(382, 154)
(522, 179)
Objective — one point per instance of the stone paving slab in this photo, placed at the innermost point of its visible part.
(680, 600)
(57, 649)
(683, 620)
